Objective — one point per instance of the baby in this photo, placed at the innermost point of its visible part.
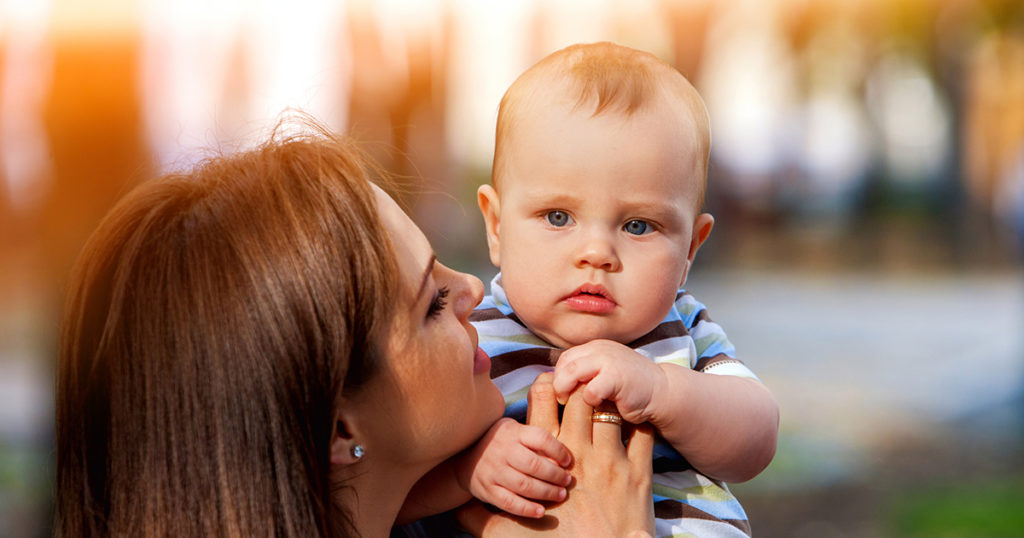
(593, 217)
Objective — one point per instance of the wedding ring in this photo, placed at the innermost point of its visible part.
(604, 416)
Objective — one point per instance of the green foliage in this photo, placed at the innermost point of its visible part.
(974, 509)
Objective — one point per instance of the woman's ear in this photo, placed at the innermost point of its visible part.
(345, 446)
(490, 208)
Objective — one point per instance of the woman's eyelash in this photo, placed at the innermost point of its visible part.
(437, 305)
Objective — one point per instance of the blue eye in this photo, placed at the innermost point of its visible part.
(558, 218)
(636, 227)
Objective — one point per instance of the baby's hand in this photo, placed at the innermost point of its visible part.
(514, 462)
(613, 372)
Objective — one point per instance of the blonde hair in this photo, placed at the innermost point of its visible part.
(607, 77)
(214, 320)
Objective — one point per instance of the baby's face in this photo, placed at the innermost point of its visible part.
(596, 223)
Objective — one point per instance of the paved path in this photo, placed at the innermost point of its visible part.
(861, 363)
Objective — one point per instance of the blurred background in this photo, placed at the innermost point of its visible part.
(867, 180)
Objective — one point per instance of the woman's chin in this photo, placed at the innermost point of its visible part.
(492, 403)
(499, 401)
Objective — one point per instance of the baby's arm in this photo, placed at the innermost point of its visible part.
(510, 464)
(725, 426)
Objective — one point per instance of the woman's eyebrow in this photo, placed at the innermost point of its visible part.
(426, 274)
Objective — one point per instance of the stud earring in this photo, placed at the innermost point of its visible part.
(358, 451)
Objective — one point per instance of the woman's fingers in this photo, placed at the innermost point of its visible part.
(576, 430)
(607, 429)
(640, 447)
(542, 405)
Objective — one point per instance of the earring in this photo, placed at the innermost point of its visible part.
(358, 451)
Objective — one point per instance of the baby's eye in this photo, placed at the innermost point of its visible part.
(637, 227)
(558, 218)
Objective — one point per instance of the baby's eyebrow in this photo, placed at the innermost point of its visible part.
(546, 198)
(655, 208)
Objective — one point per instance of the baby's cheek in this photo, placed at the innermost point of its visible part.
(656, 304)
(525, 296)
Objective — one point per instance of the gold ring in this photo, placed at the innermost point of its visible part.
(604, 416)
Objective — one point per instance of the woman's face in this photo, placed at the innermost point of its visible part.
(434, 396)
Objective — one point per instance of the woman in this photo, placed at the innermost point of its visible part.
(263, 346)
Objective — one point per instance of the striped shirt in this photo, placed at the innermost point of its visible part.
(686, 503)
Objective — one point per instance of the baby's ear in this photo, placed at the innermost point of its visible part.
(701, 230)
(490, 208)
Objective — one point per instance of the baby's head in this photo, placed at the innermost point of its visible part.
(603, 79)
(593, 214)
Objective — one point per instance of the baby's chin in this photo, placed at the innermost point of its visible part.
(581, 335)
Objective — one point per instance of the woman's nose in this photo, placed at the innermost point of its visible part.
(471, 293)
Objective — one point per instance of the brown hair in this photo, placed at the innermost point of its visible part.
(609, 77)
(213, 322)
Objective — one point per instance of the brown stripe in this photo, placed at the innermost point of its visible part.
(506, 362)
(516, 319)
(489, 314)
(741, 524)
(668, 329)
(706, 362)
(701, 316)
(672, 509)
(486, 314)
(670, 465)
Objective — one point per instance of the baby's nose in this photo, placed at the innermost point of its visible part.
(599, 252)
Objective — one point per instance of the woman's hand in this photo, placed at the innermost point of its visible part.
(611, 490)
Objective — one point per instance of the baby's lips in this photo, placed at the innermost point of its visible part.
(591, 289)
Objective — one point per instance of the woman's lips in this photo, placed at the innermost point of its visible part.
(481, 362)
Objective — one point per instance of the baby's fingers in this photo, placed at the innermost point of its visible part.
(602, 387)
(569, 373)
(536, 466)
(480, 521)
(516, 501)
(543, 442)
